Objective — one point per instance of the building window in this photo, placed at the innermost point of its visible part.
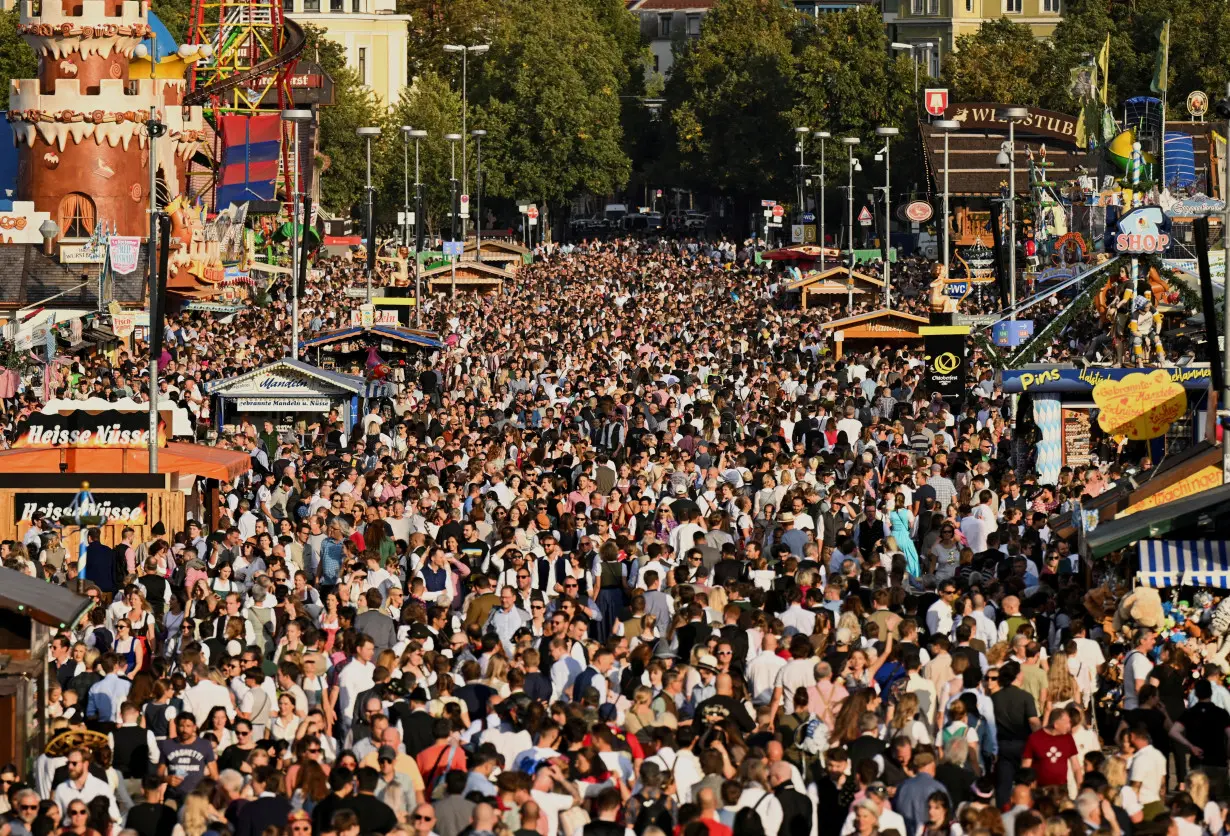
(916, 7)
(288, 6)
(337, 5)
(363, 65)
(664, 26)
(693, 26)
(933, 7)
(657, 63)
(1050, 6)
(311, 6)
(356, 6)
(77, 216)
(969, 6)
(1012, 7)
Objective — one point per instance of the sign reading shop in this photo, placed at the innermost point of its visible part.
(109, 428)
(112, 507)
(984, 116)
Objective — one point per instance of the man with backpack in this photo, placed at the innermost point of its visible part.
(653, 805)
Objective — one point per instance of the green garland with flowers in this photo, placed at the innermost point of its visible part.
(10, 358)
(1028, 353)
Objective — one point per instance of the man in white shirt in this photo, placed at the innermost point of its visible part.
(939, 615)
(1147, 772)
(853, 428)
(795, 619)
(1136, 669)
(550, 802)
(975, 530)
(82, 787)
(354, 679)
(564, 669)
(762, 672)
(201, 698)
(799, 672)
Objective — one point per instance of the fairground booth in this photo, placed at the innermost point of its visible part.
(288, 392)
(95, 463)
(1077, 410)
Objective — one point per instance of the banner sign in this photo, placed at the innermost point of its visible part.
(1057, 379)
(947, 368)
(124, 250)
(112, 507)
(91, 252)
(274, 404)
(1202, 480)
(1011, 333)
(1138, 232)
(1140, 406)
(109, 428)
(1196, 206)
(984, 115)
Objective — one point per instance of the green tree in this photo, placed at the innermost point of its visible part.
(730, 95)
(16, 58)
(433, 106)
(549, 99)
(434, 23)
(341, 162)
(174, 15)
(1003, 62)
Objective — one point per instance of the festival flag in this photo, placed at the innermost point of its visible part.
(1161, 67)
(1104, 67)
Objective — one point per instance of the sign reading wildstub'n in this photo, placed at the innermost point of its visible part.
(112, 507)
(109, 428)
(1039, 122)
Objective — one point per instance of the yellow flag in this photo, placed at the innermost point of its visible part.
(1103, 67)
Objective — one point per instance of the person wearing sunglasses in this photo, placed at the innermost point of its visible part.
(82, 787)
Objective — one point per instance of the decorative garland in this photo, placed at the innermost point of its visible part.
(1028, 353)
(102, 30)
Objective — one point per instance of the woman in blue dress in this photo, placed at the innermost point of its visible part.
(901, 520)
(128, 647)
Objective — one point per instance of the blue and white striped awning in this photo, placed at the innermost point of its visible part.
(1166, 563)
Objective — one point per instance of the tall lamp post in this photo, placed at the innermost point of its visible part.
(912, 48)
(295, 117)
(887, 133)
(453, 139)
(478, 135)
(409, 134)
(946, 127)
(801, 133)
(850, 142)
(1007, 156)
(465, 52)
(367, 134)
(822, 136)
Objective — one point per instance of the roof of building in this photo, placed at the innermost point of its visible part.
(46, 603)
(28, 277)
(671, 5)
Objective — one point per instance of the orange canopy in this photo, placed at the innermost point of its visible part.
(175, 457)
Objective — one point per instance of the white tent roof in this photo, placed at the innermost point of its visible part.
(181, 422)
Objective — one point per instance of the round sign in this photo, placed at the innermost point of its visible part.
(1197, 103)
(778, 211)
(919, 211)
(532, 212)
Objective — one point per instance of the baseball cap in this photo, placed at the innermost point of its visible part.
(386, 753)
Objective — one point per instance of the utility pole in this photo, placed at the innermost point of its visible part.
(822, 136)
(888, 133)
(947, 126)
(850, 142)
(368, 134)
(453, 139)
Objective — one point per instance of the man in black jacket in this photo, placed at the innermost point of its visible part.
(268, 809)
(797, 810)
(341, 784)
(374, 815)
(152, 817)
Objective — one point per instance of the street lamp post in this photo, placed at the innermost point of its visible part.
(801, 133)
(1007, 156)
(478, 135)
(850, 142)
(295, 117)
(367, 134)
(911, 48)
(465, 51)
(822, 136)
(417, 135)
(453, 139)
(946, 127)
(887, 133)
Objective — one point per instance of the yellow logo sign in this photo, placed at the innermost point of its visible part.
(1140, 406)
(946, 363)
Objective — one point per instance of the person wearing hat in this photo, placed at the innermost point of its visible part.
(794, 538)
(707, 667)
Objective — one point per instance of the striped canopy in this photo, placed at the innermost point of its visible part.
(1166, 563)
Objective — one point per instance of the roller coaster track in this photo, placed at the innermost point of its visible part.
(293, 42)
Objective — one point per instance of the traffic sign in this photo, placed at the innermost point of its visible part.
(778, 212)
(464, 206)
(936, 101)
(864, 217)
(768, 204)
(453, 248)
(405, 219)
(809, 218)
(532, 212)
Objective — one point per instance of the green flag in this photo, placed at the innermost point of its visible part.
(1161, 68)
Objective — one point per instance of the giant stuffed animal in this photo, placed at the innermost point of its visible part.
(1141, 608)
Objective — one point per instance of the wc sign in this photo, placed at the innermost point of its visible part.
(936, 100)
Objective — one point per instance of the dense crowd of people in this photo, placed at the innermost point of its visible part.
(633, 554)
